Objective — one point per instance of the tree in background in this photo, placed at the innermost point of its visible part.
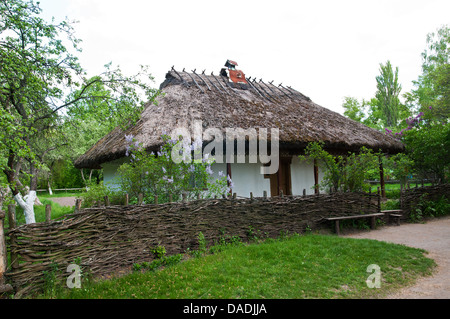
(354, 109)
(36, 72)
(387, 94)
(432, 89)
(383, 110)
(427, 137)
(426, 134)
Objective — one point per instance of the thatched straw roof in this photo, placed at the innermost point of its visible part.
(218, 103)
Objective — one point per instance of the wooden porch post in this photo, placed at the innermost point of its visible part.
(279, 177)
(229, 174)
(316, 177)
(383, 190)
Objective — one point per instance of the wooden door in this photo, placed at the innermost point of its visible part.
(282, 179)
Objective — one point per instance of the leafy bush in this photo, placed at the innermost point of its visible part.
(343, 173)
(390, 204)
(429, 208)
(97, 192)
(158, 252)
(170, 172)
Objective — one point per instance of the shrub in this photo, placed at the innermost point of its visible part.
(430, 208)
(97, 192)
(166, 175)
(342, 173)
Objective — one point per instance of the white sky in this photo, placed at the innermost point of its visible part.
(324, 49)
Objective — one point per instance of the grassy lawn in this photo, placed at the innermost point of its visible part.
(310, 266)
(59, 194)
(39, 211)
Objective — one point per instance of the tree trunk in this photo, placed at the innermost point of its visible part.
(27, 204)
(49, 187)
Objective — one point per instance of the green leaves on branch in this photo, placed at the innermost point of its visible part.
(342, 173)
(157, 174)
(44, 90)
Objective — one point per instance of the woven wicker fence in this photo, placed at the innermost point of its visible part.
(110, 239)
(411, 198)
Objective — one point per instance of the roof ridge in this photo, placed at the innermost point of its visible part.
(221, 84)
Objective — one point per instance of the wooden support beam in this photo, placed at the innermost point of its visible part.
(279, 177)
(229, 174)
(181, 78)
(204, 82)
(220, 83)
(254, 88)
(383, 189)
(316, 177)
(212, 83)
(266, 94)
(195, 82)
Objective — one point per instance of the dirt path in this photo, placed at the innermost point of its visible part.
(434, 237)
(63, 201)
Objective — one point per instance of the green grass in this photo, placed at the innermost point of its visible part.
(39, 211)
(59, 194)
(310, 266)
(393, 190)
(57, 210)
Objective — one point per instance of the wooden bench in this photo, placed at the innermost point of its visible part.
(371, 216)
(395, 213)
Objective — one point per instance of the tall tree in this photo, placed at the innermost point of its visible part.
(387, 94)
(36, 72)
(432, 89)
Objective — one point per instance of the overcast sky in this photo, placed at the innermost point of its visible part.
(325, 49)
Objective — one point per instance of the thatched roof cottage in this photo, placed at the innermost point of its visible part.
(231, 100)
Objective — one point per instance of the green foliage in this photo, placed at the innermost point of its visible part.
(388, 90)
(428, 147)
(62, 174)
(254, 234)
(342, 173)
(353, 109)
(224, 242)
(158, 252)
(39, 78)
(400, 167)
(202, 244)
(158, 263)
(385, 109)
(97, 192)
(430, 208)
(163, 175)
(52, 283)
(432, 89)
(390, 204)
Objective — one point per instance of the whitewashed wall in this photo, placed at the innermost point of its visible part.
(110, 177)
(247, 178)
(302, 176)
